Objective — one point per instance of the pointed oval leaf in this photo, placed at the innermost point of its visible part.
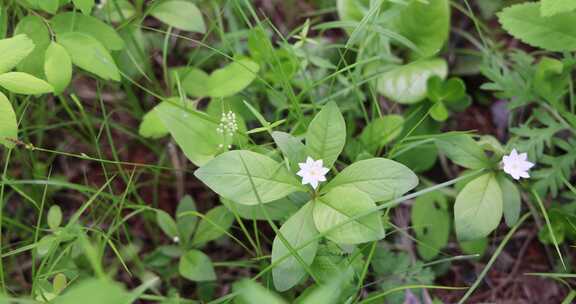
(186, 224)
(463, 150)
(407, 84)
(510, 199)
(166, 223)
(13, 51)
(34, 28)
(478, 208)
(249, 291)
(326, 135)
(73, 22)
(381, 131)
(431, 224)
(84, 5)
(22, 83)
(183, 15)
(298, 230)
(382, 179)
(247, 177)
(213, 225)
(196, 266)
(58, 67)
(340, 205)
(232, 78)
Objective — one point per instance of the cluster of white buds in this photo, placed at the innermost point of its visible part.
(227, 124)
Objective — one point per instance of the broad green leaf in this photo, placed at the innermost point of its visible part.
(50, 6)
(34, 28)
(187, 223)
(431, 224)
(463, 150)
(510, 199)
(196, 266)
(13, 51)
(117, 11)
(326, 135)
(439, 112)
(478, 208)
(341, 204)
(554, 33)
(213, 225)
(427, 25)
(407, 84)
(192, 80)
(247, 177)
(73, 22)
(475, 246)
(180, 14)
(551, 79)
(84, 292)
(276, 210)
(54, 217)
(450, 90)
(8, 122)
(249, 292)
(89, 54)
(382, 179)
(58, 67)
(166, 223)
(292, 148)
(552, 7)
(232, 78)
(22, 83)
(152, 125)
(84, 5)
(381, 131)
(298, 230)
(194, 131)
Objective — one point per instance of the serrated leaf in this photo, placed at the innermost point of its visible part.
(196, 266)
(326, 135)
(180, 14)
(382, 179)
(298, 230)
(13, 51)
(554, 33)
(89, 54)
(58, 67)
(8, 123)
(247, 177)
(22, 83)
(478, 208)
(407, 84)
(552, 7)
(341, 204)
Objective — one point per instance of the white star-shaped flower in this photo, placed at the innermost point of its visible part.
(312, 172)
(516, 165)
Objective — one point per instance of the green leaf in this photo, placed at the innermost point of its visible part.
(326, 135)
(451, 90)
(382, 179)
(54, 217)
(186, 224)
(34, 28)
(292, 148)
(166, 223)
(248, 292)
(381, 131)
(194, 81)
(213, 225)
(427, 25)
(73, 22)
(478, 208)
(276, 210)
(340, 205)
(180, 14)
(407, 84)
(108, 292)
(352, 10)
(232, 78)
(22, 83)
(236, 175)
(152, 125)
(13, 51)
(550, 79)
(552, 7)
(463, 150)
(194, 131)
(439, 112)
(196, 266)
(50, 6)
(475, 246)
(431, 224)
(555, 33)
(298, 230)
(510, 199)
(84, 5)
(58, 67)
(59, 283)
(8, 123)
(89, 54)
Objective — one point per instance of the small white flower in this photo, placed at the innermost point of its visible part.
(312, 172)
(516, 165)
(176, 240)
